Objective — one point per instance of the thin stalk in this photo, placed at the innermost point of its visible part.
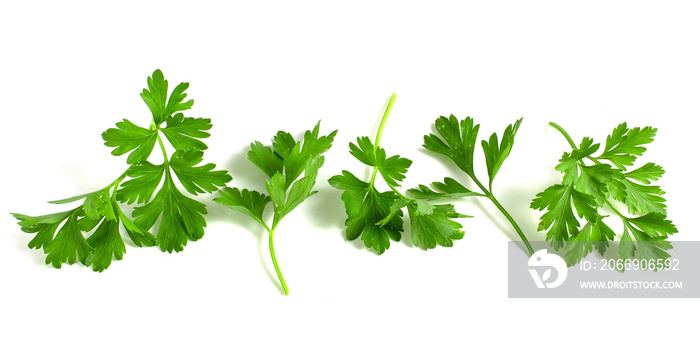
(617, 212)
(505, 213)
(116, 183)
(162, 148)
(381, 124)
(274, 258)
(564, 133)
(512, 222)
(403, 197)
(379, 134)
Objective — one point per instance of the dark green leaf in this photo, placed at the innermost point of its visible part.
(107, 244)
(175, 103)
(277, 189)
(642, 199)
(127, 137)
(247, 202)
(155, 95)
(594, 180)
(315, 145)
(181, 218)
(495, 155)
(283, 143)
(624, 145)
(459, 141)
(559, 219)
(449, 189)
(69, 245)
(595, 234)
(44, 226)
(197, 179)
(366, 210)
(655, 225)
(364, 151)
(392, 169)
(432, 225)
(183, 132)
(263, 157)
(146, 178)
(646, 173)
(302, 188)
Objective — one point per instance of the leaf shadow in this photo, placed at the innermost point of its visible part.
(328, 211)
(407, 231)
(38, 257)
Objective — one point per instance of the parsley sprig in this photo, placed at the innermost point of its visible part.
(377, 216)
(283, 163)
(457, 140)
(61, 235)
(604, 184)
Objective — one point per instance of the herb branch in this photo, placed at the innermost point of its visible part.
(61, 235)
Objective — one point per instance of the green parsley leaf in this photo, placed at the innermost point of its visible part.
(623, 146)
(559, 220)
(376, 216)
(183, 132)
(457, 140)
(595, 234)
(156, 94)
(129, 137)
(449, 188)
(145, 179)
(181, 218)
(68, 245)
(197, 179)
(283, 164)
(432, 225)
(265, 159)
(495, 155)
(369, 212)
(245, 201)
(107, 244)
(591, 187)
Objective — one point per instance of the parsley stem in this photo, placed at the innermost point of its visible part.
(619, 214)
(381, 124)
(512, 222)
(379, 134)
(274, 260)
(564, 133)
(403, 197)
(162, 148)
(505, 213)
(116, 183)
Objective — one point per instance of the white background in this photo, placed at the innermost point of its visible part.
(70, 70)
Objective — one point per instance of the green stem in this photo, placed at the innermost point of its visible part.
(398, 193)
(162, 148)
(381, 124)
(505, 213)
(564, 133)
(617, 212)
(379, 134)
(116, 183)
(512, 222)
(274, 258)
